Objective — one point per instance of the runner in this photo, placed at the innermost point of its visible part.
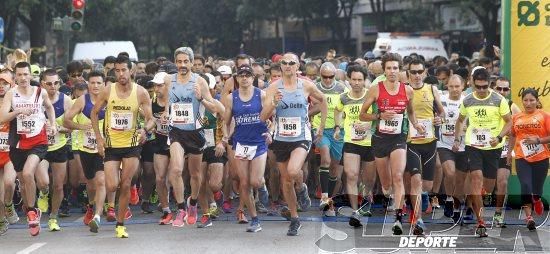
(92, 163)
(530, 131)
(187, 92)
(484, 109)
(8, 215)
(358, 157)
(287, 101)
(250, 138)
(393, 104)
(26, 107)
(121, 144)
(56, 158)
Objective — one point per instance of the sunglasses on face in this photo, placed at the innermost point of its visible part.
(55, 83)
(291, 63)
(327, 77)
(245, 75)
(482, 87)
(416, 72)
(502, 89)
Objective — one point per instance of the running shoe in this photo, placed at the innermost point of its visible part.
(469, 214)
(64, 210)
(4, 225)
(325, 203)
(205, 221)
(94, 224)
(111, 215)
(389, 204)
(241, 218)
(481, 231)
(285, 213)
(52, 225)
(134, 195)
(154, 198)
(254, 226)
(538, 206)
(365, 208)
(330, 212)
(397, 228)
(273, 211)
(355, 221)
(89, 215)
(11, 214)
(294, 227)
(42, 202)
(214, 212)
(435, 202)
(498, 219)
(303, 198)
(121, 232)
(260, 207)
(448, 209)
(166, 218)
(227, 207)
(419, 228)
(218, 197)
(191, 213)
(146, 207)
(128, 214)
(33, 219)
(181, 217)
(530, 223)
(263, 196)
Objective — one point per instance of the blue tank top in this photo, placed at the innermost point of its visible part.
(59, 105)
(89, 105)
(291, 119)
(248, 126)
(185, 111)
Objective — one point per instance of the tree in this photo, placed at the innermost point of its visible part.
(486, 12)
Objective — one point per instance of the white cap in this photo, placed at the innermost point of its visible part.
(211, 80)
(225, 70)
(475, 69)
(159, 77)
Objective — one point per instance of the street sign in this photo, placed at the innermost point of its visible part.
(1, 30)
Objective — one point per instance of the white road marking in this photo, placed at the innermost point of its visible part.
(31, 248)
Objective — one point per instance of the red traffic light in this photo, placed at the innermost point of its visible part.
(79, 4)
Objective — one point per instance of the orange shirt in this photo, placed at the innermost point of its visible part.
(526, 125)
(4, 146)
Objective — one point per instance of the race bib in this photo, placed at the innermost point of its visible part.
(530, 150)
(392, 126)
(360, 131)
(480, 137)
(448, 129)
(428, 127)
(161, 128)
(90, 141)
(182, 113)
(4, 146)
(504, 150)
(209, 136)
(290, 126)
(25, 124)
(121, 121)
(245, 152)
(52, 140)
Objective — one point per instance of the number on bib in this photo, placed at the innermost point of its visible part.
(182, 113)
(480, 137)
(360, 131)
(530, 150)
(428, 127)
(245, 152)
(392, 126)
(121, 121)
(25, 125)
(4, 146)
(209, 136)
(290, 126)
(90, 141)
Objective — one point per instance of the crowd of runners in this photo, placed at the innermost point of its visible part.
(187, 136)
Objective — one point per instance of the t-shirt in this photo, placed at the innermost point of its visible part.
(525, 125)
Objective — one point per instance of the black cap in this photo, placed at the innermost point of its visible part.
(244, 68)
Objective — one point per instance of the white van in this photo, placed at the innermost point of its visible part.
(405, 45)
(99, 50)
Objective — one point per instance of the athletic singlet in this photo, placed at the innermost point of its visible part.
(28, 131)
(4, 144)
(447, 133)
(120, 129)
(248, 126)
(423, 105)
(60, 139)
(333, 99)
(526, 125)
(87, 138)
(397, 103)
(484, 118)
(291, 115)
(160, 129)
(353, 127)
(185, 113)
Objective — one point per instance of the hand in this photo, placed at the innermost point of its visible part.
(456, 145)
(509, 159)
(268, 138)
(219, 150)
(336, 134)
(142, 136)
(268, 123)
(494, 141)
(24, 111)
(277, 97)
(85, 127)
(420, 128)
(198, 92)
(164, 118)
(360, 127)
(100, 146)
(52, 129)
(438, 121)
(387, 115)
(531, 140)
(318, 136)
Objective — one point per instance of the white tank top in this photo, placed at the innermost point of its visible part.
(30, 125)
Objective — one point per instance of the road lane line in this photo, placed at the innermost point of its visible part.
(31, 248)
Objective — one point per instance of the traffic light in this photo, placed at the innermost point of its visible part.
(77, 14)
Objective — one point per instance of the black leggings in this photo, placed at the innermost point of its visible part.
(531, 178)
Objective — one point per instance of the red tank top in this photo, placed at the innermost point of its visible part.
(397, 103)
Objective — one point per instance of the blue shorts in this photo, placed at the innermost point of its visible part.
(335, 146)
(261, 148)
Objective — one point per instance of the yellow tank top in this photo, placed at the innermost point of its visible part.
(423, 105)
(121, 118)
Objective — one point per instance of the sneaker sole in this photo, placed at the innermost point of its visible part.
(531, 225)
(34, 230)
(94, 227)
(481, 232)
(254, 230)
(178, 226)
(204, 226)
(297, 232)
(397, 230)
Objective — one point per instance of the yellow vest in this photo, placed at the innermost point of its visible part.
(121, 120)
(423, 105)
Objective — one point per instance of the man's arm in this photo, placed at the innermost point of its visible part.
(50, 111)
(315, 93)
(100, 103)
(145, 106)
(372, 94)
(67, 104)
(206, 98)
(269, 104)
(71, 113)
(438, 104)
(5, 114)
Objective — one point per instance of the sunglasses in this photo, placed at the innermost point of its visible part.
(482, 87)
(55, 83)
(416, 72)
(291, 63)
(76, 75)
(502, 89)
(327, 77)
(245, 75)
